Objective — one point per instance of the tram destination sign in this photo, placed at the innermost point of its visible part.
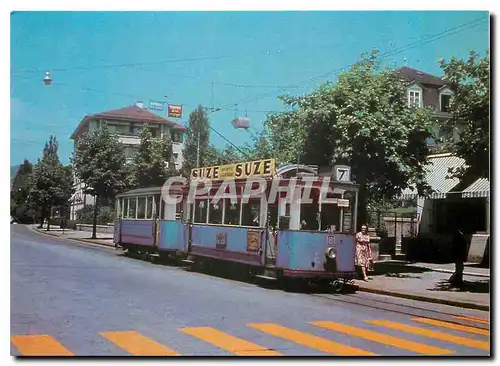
(257, 168)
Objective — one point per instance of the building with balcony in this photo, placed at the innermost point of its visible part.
(126, 123)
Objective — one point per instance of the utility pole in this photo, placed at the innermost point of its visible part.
(198, 151)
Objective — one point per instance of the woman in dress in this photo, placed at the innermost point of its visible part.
(363, 251)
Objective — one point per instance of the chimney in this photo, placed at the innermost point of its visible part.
(139, 104)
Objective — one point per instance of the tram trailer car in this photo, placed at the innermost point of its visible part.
(269, 238)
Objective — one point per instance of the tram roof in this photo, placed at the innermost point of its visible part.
(141, 192)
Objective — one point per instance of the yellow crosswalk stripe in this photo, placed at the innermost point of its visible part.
(137, 344)
(463, 328)
(310, 340)
(383, 338)
(432, 334)
(39, 345)
(473, 319)
(228, 342)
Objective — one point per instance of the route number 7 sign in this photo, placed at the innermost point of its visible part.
(342, 173)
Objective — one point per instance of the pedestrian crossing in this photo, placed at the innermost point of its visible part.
(427, 330)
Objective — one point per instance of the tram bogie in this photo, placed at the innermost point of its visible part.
(275, 234)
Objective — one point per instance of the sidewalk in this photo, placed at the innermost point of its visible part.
(85, 236)
(428, 282)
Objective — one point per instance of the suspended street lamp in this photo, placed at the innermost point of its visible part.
(47, 79)
(241, 122)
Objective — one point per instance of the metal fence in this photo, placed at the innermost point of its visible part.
(393, 223)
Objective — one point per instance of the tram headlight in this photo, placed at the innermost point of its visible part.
(331, 253)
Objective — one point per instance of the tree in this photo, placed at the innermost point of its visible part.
(198, 127)
(229, 155)
(363, 121)
(52, 184)
(99, 163)
(149, 167)
(20, 206)
(261, 148)
(469, 81)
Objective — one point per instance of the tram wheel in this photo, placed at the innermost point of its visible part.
(337, 286)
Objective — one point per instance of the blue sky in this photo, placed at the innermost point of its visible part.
(245, 48)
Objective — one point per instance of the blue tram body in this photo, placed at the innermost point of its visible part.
(269, 238)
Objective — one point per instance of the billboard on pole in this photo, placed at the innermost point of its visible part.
(175, 110)
(157, 106)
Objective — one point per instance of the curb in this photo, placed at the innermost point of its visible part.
(461, 304)
(112, 245)
(86, 241)
(441, 270)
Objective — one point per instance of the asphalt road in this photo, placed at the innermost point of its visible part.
(78, 299)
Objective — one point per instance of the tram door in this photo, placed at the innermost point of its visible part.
(272, 238)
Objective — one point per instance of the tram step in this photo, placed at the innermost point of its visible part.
(266, 277)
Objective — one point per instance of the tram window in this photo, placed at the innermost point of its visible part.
(141, 209)
(251, 213)
(308, 215)
(200, 214)
(149, 207)
(132, 203)
(232, 212)
(157, 205)
(190, 211)
(179, 211)
(125, 208)
(272, 213)
(215, 215)
(330, 216)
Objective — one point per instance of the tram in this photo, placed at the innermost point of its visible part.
(288, 223)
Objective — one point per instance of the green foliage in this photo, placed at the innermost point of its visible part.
(261, 147)
(105, 215)
(149, 168)
(99, 163)
(51, 183)
(198, 126)
(85, 215)
(226, 156)
(469, 81)
(20, 206)
(362, 121)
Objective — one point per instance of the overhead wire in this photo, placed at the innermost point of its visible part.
(407, 47)
(421, 41)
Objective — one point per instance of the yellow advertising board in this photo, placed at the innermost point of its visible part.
(261, 168)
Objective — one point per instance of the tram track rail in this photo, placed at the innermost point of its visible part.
(399, 308)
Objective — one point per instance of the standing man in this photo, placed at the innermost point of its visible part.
(459, 256)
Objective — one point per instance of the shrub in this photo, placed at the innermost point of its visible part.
(86, 215)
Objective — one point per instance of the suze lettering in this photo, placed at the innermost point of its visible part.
(253, 168)
(209, 173)
(238, 170)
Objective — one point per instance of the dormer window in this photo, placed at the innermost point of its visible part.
(414, 98)
(445, 100)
